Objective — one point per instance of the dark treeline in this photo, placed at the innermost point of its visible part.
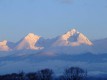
(72, 73)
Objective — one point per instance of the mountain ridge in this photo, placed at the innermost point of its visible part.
(73, 38)
(28, 42)
(72, 42)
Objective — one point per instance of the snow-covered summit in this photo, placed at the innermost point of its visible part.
(3, 46)
(3, 42)
(69, 34)
(72, 38)
(29, 42)
(32, 38)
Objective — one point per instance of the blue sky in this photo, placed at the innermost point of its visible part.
(49, 18)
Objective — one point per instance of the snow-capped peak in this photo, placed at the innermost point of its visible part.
(72, 38)
(29, 42)
(3, 46)
(73, 31)
(32, 37)
(3, 42)
(69, 34)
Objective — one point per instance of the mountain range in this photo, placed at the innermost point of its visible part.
(70, 42)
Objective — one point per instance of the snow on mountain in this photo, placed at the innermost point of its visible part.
(29, 42)
(71, 42)
(72, 38)
(3, 46)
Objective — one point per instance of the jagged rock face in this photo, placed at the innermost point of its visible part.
(72, 38)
